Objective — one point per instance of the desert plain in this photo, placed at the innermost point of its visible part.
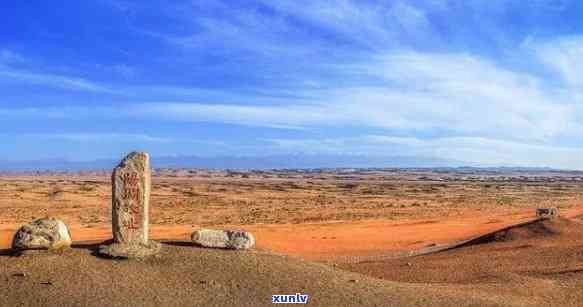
(374, 237)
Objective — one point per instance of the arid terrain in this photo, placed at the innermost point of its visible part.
(365, 221)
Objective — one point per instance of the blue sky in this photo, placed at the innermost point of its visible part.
(493, 82)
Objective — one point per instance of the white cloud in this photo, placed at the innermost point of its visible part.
(51, 80)
(480, 108)
(373, 25)
(93, 137)
(564, 56)
(287, 117)
(8, 56)
(61, 112)
(410, 18)
(484, 151)
(8, 60)
(473, 95)
(459, 93)
(455, 92)
(108, 137)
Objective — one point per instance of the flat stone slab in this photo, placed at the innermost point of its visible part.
(227, 239)
(130, 251)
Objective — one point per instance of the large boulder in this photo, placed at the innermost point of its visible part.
(46, 233)
(228, 239)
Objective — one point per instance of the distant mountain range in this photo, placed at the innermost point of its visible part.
(299, 161)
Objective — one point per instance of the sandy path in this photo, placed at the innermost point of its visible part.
(327, 241)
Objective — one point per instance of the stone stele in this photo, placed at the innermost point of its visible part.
(42, 234)
(228, 239)
(131, 183)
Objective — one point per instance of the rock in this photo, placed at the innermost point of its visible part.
(46, 233)
(549, 213)
(228, 239)
(127, 251)
(131, 184)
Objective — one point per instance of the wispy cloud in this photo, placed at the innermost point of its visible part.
(465, 94)
(484, 151)
(51, 80)
(110, 137)
(11, 72)
(92, 137)
(429, 77)
(8, 56)
(563, 55)
(459, 93)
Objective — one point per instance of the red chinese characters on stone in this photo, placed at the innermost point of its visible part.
(131, 190)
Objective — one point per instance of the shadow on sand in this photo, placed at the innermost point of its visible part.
(8, 253)
(93, 247)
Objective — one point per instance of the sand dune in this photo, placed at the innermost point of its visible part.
(189, 276)
(540, 262)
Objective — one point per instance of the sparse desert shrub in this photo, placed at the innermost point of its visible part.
(348, 186)
(55, 191)
(504, 200)
(367, 190)
(190, 193)
(87, 188)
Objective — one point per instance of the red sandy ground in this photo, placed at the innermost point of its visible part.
(338, 240)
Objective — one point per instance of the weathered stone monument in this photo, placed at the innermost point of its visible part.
(131, 183)
(228, 239)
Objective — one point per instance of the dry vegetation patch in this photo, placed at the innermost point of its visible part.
(218, 198)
